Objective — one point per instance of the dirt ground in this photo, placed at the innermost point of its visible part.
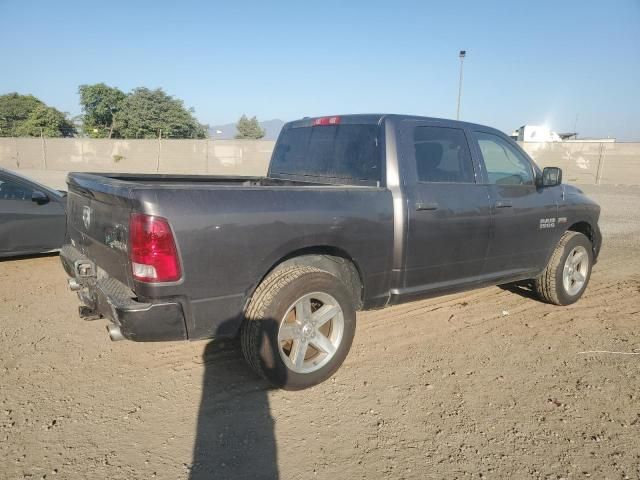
(486, 384)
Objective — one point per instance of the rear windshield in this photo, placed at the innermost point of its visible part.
(343, 154)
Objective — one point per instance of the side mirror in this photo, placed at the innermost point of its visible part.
(551, 176)
(39, 197)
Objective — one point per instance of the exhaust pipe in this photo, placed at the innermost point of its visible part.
(115, 334)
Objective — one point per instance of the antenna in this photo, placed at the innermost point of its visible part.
(463, 53)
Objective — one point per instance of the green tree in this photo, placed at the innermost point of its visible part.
(26, 115)
(146, 113)
(99, 104)
(249, 129)
(46, 121)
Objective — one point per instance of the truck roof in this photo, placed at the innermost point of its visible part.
(366, 118)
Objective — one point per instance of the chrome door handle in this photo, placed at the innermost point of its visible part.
(426, 206)
(503, 205)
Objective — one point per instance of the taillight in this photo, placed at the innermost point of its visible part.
(152, 249)
(326, 121)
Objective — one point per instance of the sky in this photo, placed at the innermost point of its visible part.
(566, 64)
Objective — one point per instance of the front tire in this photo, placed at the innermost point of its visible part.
(298, 327)
(567, 274)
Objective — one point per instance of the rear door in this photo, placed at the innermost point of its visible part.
(448, 208)
(524, 216)
(26, 226)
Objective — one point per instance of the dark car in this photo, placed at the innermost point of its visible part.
(357, 212)
(32, 216)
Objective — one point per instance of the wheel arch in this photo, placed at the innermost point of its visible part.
(583, 227)
(580, 226)
(332, 259)
(592, 232)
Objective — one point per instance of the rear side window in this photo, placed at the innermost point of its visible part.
(504, 164)
(342, 153)
(442, 155)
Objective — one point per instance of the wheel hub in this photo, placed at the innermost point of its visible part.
(310, 332)
(307, 330)
(575, 271)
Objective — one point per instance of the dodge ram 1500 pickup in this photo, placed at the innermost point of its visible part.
(356, 212)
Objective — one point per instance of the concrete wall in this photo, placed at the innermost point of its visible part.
(590, 162)
(48, 160)
(579, 161)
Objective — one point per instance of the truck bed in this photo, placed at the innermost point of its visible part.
(229, 232)
(161, 180)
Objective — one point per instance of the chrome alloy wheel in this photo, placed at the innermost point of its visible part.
(576, 268)
(310, 332)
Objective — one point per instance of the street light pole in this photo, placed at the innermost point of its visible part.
(463, 53)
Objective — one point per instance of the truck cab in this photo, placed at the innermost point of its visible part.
(477, 209)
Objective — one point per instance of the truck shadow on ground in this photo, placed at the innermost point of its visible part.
(524, 289)
(235, 437)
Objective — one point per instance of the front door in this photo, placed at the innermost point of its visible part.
(448, 209)
(524, 215)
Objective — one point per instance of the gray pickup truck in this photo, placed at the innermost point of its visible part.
(356, 212)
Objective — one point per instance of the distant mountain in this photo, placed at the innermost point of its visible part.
(227, 132)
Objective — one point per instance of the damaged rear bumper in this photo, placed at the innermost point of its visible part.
(104, 297)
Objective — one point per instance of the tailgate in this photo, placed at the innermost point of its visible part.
(98, 224)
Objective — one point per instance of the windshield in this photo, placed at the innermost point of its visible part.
(345, 154)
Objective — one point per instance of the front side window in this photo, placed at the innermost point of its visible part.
(504, 164)
(11, 190)
(442, 155)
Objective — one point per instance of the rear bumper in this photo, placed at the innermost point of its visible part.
(104, 297)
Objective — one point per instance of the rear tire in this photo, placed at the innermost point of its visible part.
(567, 274)
(298, 327)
